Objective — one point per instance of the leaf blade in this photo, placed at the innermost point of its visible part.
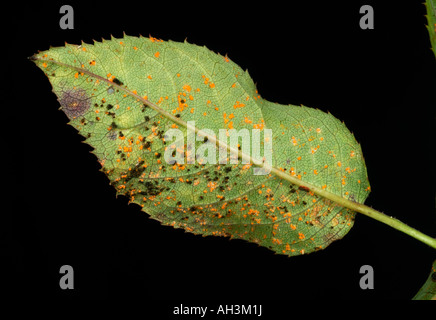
(267, 213)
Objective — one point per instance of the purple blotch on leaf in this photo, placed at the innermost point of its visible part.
(74, 102)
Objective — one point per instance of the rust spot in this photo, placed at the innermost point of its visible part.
(74, 103)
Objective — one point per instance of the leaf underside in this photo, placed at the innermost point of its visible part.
(106, 90)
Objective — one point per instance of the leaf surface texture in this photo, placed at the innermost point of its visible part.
(108, 90)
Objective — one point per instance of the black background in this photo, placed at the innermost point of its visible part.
(380, 82)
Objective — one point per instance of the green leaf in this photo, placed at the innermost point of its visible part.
(125, 95)
(431, 18)
(428, 290)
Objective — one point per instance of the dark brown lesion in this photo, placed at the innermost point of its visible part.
(74, 102)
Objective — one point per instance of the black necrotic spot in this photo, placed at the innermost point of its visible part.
(74, 102)
(117, 81)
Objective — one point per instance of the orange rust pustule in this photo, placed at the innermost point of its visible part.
(74, 102)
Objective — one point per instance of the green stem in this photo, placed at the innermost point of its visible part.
(397, 224)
